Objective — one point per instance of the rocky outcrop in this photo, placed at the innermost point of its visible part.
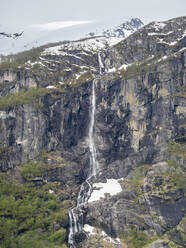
(158, 244)
(139, 109)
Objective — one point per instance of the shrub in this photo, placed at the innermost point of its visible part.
(32, 169)
(62, 217)
(16, 60)
(85, 77)
(138, 178)
(178, 176)
(22, 98)
(136, 239)
(36, 239)
(177, 150)
(59, 236)
(4, 152)
(27, 216)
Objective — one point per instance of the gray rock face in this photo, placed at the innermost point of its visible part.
(138, 111)
(122, 30)
(159, 244)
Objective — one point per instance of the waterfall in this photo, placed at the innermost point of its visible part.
(101, 66)
(93, 162)
(76, 214)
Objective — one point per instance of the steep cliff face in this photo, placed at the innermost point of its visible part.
(139, 133)
(145, 113)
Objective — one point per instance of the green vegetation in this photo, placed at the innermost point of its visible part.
(62, 217)
(30, 216)
(72, 82)
(3, 152)
(173, 179)
(178, 177)
(133, 70)
(19, 59)
(183, 221)
(181, 92)
(137, 239)
(179, 236)
(177, 150)
(173, 245)
(36, 239)
(53, 156)
(32, 169)
(59, 236)
(22, 98)
(136, 69)
(138, 178)
(14, 61)
(85, 77)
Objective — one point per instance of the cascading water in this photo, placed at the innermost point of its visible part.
(101, 66)
(76, 214)
(94, 166)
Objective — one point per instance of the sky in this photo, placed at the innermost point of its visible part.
(77, 17)
(21, 13)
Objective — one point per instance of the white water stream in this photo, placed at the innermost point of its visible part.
(76, 214)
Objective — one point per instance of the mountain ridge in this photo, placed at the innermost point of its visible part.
(136, 126)
(127, 26)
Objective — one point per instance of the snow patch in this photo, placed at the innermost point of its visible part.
(92, 231)
(61, 83)
(109, 239)
(98, 41)
(153, 34)
(159, 25)
(52, 51)
(114, 40)
(112, 187)
(87, 45)
(173, 43)
(51, 191)
(89, 229)
(3, 115)
(92, 44)
(112, 69)
(163, 58)
(79, 75)
(124, 66)
(51, 87)
(29, 63)
(182, 49)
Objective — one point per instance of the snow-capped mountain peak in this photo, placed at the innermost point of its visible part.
(99, 40)
(93, 41)
(120, 31)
